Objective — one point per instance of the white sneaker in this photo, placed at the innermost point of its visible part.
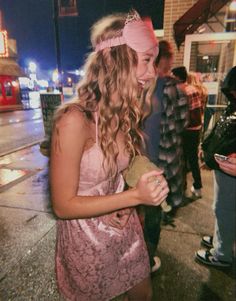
(207, 257)
(157, 264)
(196, 192)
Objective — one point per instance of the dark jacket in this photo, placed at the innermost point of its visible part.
(222, 138)
(229, 85)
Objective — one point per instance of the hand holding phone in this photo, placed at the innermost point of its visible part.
(227, 164)
(221, 157)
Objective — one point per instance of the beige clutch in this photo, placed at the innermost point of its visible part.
(139, 166)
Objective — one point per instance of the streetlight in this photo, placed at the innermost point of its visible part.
(55, 76)
(32, 67)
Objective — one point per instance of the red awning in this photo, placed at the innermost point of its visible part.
(198, 14)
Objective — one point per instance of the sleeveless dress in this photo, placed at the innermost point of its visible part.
(95, 261)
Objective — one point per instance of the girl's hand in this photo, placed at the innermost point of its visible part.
(120, 218)
(152, 188)
(228, 166)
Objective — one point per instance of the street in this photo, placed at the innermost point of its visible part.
(20, 128)
(28, 231)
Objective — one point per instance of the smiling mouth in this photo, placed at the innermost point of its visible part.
(142, 82)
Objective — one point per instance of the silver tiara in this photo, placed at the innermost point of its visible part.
(133, 15)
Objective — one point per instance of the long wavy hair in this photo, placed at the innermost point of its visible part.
(110, 87)
(194, 80)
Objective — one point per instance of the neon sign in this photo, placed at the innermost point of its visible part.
(3, 44)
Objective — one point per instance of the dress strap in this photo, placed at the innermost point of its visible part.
(96, 123)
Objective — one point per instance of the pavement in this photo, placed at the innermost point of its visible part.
(20, 129)
(9, 108)
(27, 240)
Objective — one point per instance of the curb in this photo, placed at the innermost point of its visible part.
(20, 148)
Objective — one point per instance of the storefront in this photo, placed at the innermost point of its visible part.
(212, 55)
(10, 92)
(206, 35)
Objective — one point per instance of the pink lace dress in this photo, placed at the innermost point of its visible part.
(95, 261)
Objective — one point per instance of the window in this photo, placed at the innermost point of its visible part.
(8, 88)
(207, 63)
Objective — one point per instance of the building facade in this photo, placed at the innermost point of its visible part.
(210, 49)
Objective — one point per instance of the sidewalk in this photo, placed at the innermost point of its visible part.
(27, 240)
(9, 108)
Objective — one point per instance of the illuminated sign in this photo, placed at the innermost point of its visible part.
(3, 44)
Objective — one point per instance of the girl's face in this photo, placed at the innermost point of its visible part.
(146, 68)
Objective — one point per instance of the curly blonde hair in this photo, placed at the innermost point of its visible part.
(195, 80)
(110, 81)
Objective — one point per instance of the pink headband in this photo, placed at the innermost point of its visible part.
(137, 34)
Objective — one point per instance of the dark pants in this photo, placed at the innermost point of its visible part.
(152, 229)
(191, 140)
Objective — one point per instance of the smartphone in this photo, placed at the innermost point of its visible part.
(221, 157)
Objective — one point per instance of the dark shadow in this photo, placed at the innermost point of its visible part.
(207, 294)
(175, 281)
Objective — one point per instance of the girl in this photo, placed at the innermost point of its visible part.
(100, 251)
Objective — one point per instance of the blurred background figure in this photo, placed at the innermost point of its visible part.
(163, 129)
(221, 247)
(174, 120)
(194, 79)
(191, 136)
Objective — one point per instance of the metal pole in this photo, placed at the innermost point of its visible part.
(57, 42)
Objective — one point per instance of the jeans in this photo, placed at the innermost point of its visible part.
(191, 140)
(225, 213)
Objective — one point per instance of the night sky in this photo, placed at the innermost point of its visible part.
(31, 23)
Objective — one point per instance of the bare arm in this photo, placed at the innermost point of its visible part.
(65, 171)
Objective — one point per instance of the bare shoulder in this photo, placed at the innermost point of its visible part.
(71, 129)
(73, 119)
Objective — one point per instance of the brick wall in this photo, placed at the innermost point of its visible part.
(173, 10)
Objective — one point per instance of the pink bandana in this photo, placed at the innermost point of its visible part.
(137, 34)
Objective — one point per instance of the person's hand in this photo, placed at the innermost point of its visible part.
(152, 188)
(120, 218)
(201, 155)
(203, 163)
(228, 166)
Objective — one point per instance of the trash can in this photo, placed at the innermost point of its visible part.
(49, 102)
